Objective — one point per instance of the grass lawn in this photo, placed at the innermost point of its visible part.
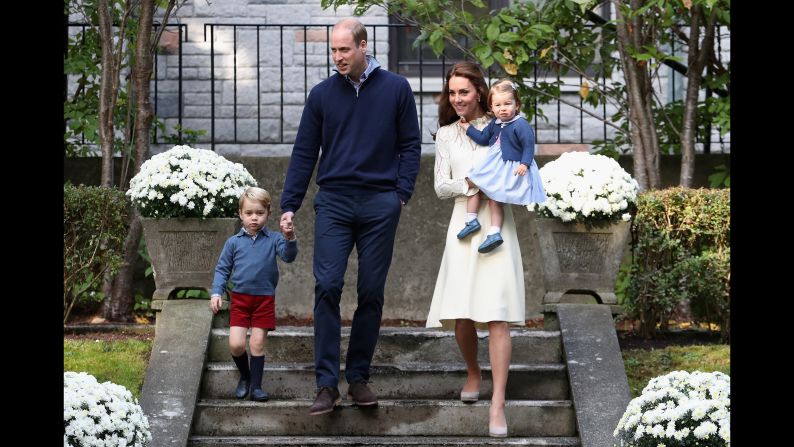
(120, 361)
(643, 365)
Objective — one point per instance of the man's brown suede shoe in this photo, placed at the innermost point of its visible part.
(327, 398)
(360, 394)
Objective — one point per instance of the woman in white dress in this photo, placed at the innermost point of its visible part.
(473, 290)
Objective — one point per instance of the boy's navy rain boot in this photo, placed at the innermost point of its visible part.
(245, 375)
(257, 368)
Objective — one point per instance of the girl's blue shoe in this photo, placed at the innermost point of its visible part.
(470, 227)
(491, 242)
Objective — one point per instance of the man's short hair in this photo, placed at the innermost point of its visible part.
(356, 28)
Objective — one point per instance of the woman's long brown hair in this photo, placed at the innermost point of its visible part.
(470, 71)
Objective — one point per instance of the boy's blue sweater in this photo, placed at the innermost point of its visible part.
(251, 263)
(370, 140)
(517, 142)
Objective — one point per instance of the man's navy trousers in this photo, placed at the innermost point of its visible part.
(367, 220)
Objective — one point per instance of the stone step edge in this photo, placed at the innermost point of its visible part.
(403, 367)
(391, 403)
(388, 440)
(307, 331)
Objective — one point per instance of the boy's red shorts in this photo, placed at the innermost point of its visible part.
(253, 311)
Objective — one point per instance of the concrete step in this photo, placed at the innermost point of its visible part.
(397, 346)
(378, 441)
(525, 418)
(407, 381)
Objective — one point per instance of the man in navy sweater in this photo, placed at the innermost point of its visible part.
(364, 119)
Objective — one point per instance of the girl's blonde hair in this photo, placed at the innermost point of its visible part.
(504, 85)
(257, 195)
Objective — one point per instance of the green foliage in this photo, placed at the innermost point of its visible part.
(669, 116)
(143, 307)
(144, 254)
(95, 223)
(84, 61)
(708, 285)
(719, 107)
(720, 178)
(80, 110)
(622, 280)
(193, 293)
(680, 252)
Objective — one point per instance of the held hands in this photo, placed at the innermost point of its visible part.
(521, 170)
(286, 225)
(215, 304)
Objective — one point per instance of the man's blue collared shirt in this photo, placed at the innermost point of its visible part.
(251, 262)
(372, 64)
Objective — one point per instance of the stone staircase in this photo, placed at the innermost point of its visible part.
(416, 373)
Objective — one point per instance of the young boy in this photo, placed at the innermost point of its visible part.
(249, 259)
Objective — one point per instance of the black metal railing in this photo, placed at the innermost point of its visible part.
(304, 28)
(373, 47)
(274, 37)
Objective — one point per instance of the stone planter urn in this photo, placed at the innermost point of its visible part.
(581, 259)
(184, 251)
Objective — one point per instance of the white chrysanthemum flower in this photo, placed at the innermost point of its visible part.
(705, 430)
(669, 431)
(583, 187)
(657, 430)
(719, 414)
(188, 182)
(101, 414)
(679, 399)
(725, 431)
(567, 216)
(699, 412)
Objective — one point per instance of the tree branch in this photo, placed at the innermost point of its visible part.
(608, 123)
(168, 9)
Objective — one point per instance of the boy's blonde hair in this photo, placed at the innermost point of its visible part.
(256, 194)
(504, 85)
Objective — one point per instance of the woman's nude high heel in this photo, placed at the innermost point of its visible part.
(469, 396)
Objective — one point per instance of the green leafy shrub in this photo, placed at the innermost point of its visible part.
(680, 252)
(95, 223)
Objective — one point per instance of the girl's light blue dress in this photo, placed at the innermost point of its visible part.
(496, 180)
